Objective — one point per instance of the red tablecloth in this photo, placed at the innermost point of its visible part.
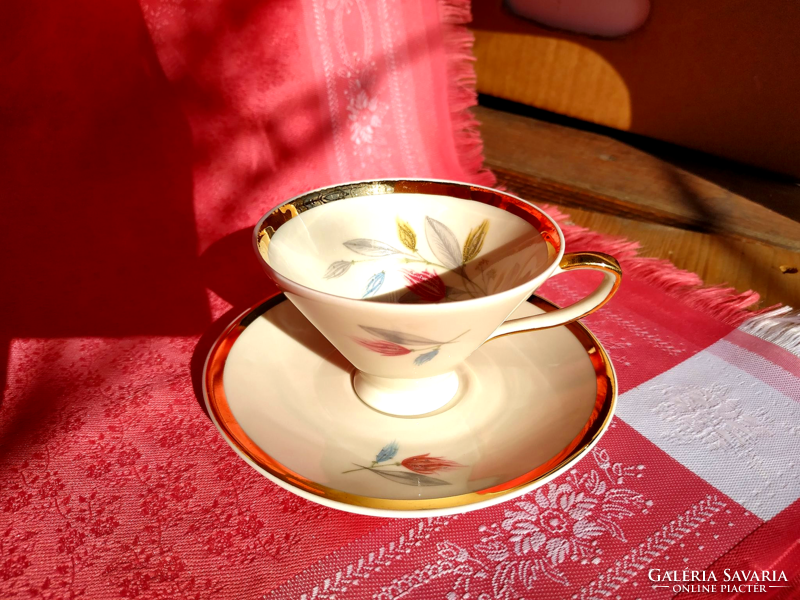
(139, 144)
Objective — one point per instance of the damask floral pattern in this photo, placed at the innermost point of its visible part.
(711, 415)
(366, 101)
(204, 531)
(362, 113)
(119, 499)
(562, 523)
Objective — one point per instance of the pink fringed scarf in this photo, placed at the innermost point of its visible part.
(283, 97)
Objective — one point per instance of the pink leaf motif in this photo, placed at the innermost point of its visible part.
(429, 465)
(383, 348)
(425, 284)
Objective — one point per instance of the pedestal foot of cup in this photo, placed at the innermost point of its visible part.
(406, 397)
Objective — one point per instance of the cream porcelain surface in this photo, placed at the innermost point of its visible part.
(522, 399)
(407, 278)
(394, 236)
(406, 340)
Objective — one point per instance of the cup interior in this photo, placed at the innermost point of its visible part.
(406, 247)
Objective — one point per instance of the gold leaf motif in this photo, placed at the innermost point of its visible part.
(291, 209)
(406, 235)
(263, 242)
(475, 239)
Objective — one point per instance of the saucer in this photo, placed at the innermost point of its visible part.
(529, 406)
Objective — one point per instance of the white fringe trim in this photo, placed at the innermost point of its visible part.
(780, 327)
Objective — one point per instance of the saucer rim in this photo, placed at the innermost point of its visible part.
(223, 419)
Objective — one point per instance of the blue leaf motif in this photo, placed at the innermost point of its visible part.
(428, 356)
(374, 284)
(388, 452)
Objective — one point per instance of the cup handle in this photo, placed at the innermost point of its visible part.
(596, 261)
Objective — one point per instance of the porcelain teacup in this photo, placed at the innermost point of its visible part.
(407, 278)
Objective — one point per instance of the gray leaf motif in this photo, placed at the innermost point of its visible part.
(404, 339)
(410, 478)
(337, 269)
(443, 243)
(370, 247)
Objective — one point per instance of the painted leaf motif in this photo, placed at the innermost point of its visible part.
(425, 284)
(427, 357)
(372, 248)
(383, 347)
(406, 235)
(337, 269)
(425, 464)
(387, 452)
(398, 337)
(374, 284)
(475, 239)
(410, 478)
(443, 243)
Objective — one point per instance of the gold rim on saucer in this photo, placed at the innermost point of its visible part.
(223, 417)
